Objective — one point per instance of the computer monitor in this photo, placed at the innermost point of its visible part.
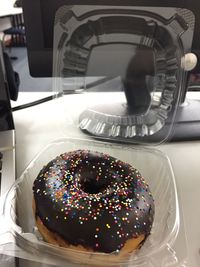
(39, 22)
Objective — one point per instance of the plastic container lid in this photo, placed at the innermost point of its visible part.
(140, 51)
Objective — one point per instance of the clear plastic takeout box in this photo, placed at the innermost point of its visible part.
(158, 250)
(139, 54)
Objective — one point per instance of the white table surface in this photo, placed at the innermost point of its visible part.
(7, 8)
(6, 11)
(38, 125)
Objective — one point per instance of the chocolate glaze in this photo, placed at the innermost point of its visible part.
(94, 200)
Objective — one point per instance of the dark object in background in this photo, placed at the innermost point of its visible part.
(137, 93)
(6, 119)
(12, 78)
(18, 3)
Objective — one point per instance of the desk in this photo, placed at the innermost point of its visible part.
(7, 8)
(37, 126)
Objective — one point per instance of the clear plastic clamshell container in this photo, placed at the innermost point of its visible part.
(138, 50)
(159, 250)
(141, 53)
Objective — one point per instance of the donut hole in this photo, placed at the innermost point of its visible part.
(92, 182)
(92, 187)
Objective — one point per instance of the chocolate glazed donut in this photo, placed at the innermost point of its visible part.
(93, 201)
